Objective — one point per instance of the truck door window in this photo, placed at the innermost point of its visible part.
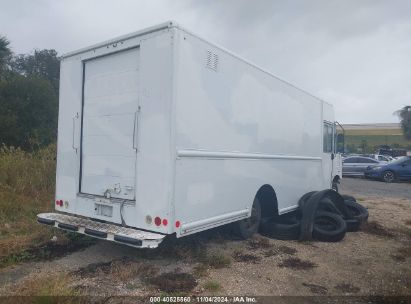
(328, 138)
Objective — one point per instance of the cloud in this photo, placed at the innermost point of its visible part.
(354, 54)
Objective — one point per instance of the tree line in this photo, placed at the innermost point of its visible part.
(29, 87)
(404, 115)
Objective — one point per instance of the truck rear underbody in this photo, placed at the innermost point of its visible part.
(128, 236)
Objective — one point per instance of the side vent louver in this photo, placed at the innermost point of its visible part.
(212, 61)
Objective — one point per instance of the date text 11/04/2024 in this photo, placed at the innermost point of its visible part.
(203, 299)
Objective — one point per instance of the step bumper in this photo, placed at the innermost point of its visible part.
(111, 232)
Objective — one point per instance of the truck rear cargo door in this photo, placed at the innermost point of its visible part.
(110, 103)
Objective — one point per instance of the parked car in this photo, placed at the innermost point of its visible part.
(356, 165)
(386, 158)
(387, 150)
(379, 157)
(383, 158)
(399, 169)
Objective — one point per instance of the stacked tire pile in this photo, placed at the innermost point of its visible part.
(322, 215)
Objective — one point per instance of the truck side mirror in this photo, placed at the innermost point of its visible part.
(332, 156)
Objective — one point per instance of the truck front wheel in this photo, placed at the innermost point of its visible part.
(247, 227)
(335, 186)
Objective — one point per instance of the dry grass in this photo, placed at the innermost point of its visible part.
(27, 183)
(287, 250)
(38, 250)
(201, 270)
(188, 249)
(122, 270)
(31, 174)
(347, 288)
(259, 242)
(316, 289)
(240, 256)
(375, 228)
(212, 286)
(405, 231)
(60, 285)
(217, 260)
(125, 271)
(147, 270)
(402, 254)
(297, 264)
(280, 250)
(174, 282)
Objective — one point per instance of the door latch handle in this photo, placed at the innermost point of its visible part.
(136, 129)
(74, 143)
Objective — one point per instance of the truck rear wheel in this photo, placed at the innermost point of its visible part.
(247, 227)
(283, 227)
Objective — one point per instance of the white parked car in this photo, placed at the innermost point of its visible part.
(383, 158)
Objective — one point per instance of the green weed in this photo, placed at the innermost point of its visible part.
(212, 286)
(217, 260)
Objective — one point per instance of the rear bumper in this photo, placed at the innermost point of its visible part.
(127, 236)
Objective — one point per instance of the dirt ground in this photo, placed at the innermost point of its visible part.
(361, 187)
(374, 261)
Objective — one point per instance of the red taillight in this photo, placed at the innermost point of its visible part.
(177, 224)
(157, 221)
(165, 222)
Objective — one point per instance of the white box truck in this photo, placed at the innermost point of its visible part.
(161, 132)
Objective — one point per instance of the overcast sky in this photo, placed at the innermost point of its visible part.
(354, 54)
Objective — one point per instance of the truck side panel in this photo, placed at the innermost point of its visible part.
(237, 129)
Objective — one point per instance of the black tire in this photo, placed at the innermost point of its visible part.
(388, 176)
(329, 227)
(348, 198)
(357, 211)
(247, 227)
(305, 198)
(327, 205)
(282, 228)
(353, 225)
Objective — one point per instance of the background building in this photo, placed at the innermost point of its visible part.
(365, 138)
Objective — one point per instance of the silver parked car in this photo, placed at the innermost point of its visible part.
(356, 165)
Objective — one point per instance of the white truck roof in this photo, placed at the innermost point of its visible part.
(171, 24)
